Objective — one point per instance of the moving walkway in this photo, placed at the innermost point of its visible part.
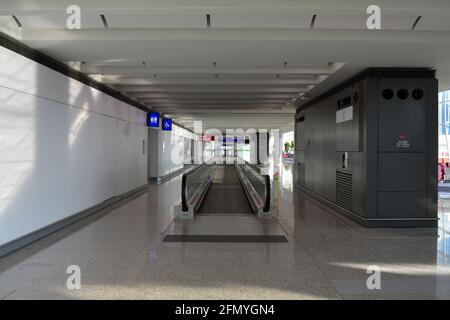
(225, 189)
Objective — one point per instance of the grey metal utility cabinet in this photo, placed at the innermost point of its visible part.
(368, 148)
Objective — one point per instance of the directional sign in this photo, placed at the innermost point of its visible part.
(153, 119)
(167, 124)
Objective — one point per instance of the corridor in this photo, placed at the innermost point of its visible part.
(122, 256)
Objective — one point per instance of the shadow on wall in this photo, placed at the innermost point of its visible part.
(57, 155)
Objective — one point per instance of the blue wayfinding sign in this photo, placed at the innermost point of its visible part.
(232, 140)
(153, 119)
(167, 124)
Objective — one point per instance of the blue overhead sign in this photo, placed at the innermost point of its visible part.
(153, 119)
(167, 124)
(232, 140)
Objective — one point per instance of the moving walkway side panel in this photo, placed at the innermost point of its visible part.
(259, 196)
(194, 186)
(382, 128)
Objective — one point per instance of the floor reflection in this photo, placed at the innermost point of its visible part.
(444, 228)
(122, 257)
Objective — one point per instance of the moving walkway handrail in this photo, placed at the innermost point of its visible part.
(266, 178)
(184, 203)
(266, 207)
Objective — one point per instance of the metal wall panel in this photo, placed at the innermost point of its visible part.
(402, 172)
(404, 120)
(317, 150)
(348, 127)
(329, 149)
(402, 205)
(371, 153)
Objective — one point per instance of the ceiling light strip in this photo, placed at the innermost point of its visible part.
(105, 22)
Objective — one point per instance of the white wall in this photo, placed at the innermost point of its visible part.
(209, 148)
(64, 146)
(263, 150)
(153, 146)
(253, 149)
(167, 152)
(198, 151)
(188, 150)
(171, 157)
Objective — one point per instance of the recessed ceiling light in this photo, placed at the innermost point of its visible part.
(313, 20)
(105, 23)
(17, 21)
(416, 22)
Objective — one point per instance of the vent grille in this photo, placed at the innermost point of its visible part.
(344, 189)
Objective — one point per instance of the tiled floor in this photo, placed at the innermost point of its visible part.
(236, 225)
(121, 256)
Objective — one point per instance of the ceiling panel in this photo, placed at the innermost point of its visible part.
(358, 21)
(57, 21)
(260, 20)
(434, 22)
(246, 69)
(397, 21)
(148, 20)
(352, 20)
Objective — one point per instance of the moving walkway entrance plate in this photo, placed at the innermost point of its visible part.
(224, 238)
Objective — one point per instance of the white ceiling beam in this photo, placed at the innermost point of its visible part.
(239, 124)
(195, 6)
(207, 126)
(209, 70)
(9, 26)
(204, 82)
(205, 96)
(223, 114)
(275, 107)
(233, 121)
(236, 118)
(244, 116)
(210, 101)
(221, 105)
(60, 35)
(218, 115)
(212, 89)
(236, 123)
